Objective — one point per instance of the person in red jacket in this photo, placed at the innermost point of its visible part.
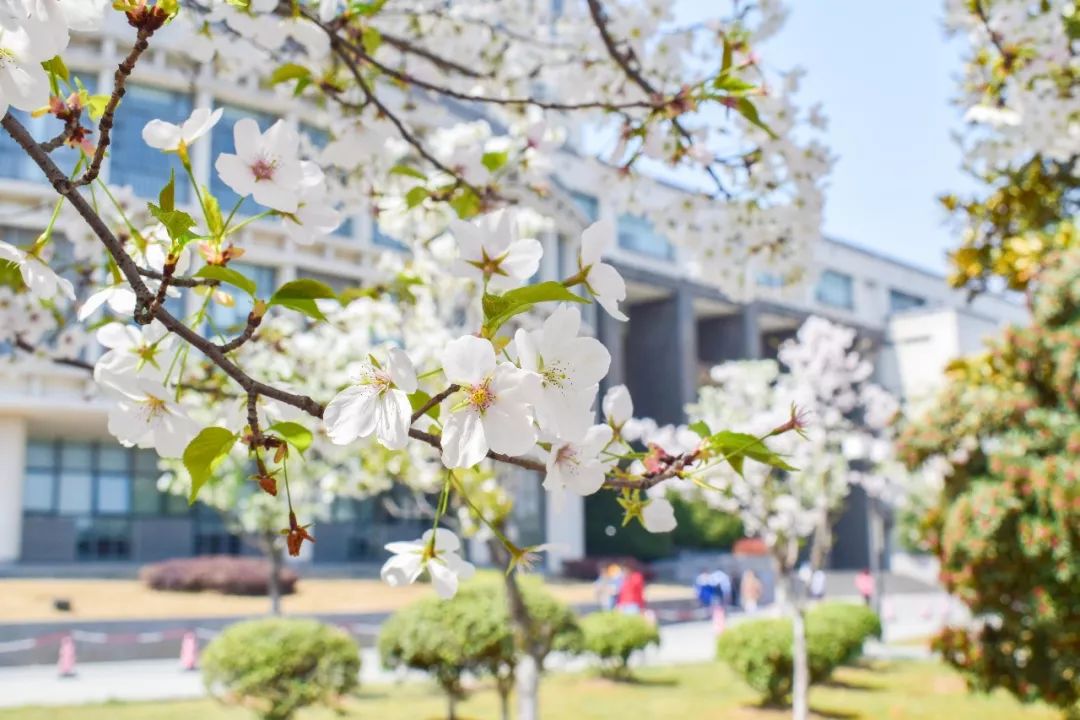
(632, 594)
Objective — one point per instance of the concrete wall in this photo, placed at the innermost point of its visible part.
(12, 464)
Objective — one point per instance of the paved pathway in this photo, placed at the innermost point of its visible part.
(164, 680)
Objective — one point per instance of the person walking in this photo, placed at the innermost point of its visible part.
(864, 584)
(703, 589)
(631, 598)
(750, 590)
(608, 585)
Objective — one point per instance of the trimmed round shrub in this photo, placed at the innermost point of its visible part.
(614, 636)
(225, 574)
(276, 666)
(760, 650)
(471, 633)
(852, 624)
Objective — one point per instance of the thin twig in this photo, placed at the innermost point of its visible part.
(433, 401)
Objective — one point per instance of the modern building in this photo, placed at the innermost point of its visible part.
(70, 494)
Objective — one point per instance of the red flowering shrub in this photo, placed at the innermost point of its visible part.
(225, 574)
(1007, 525)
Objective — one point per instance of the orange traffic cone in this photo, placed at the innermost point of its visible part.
(65, 664)
(719, 619)
(189, 651)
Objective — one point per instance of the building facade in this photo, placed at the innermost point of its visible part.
(70, 494)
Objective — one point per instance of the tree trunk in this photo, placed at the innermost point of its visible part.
(451, 707)
(528, 688)
(800, 686)
(273, 554)
(527, 674)
(504, 686)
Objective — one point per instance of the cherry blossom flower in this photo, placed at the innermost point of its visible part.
(489, 248)
(39, 278)
(658, 515)
(570, 370)
(265, 166)
(131, 352)
(146, 416)
(437, 552)
(377, 404)
(576, 466)
(168, 137)
(314, 218)
(119, 297)
(490, 411)
(618, 407)
(602, 280)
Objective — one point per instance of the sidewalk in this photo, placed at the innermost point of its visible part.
(690, 642)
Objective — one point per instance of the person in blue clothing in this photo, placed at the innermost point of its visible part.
(704, 590)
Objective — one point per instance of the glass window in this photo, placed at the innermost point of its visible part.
(114, 494)
(382, 240)
(221, 141)
(900, 301)
(76, 456)
(132, 161)
(224, 319)
(38, 491)
(85, 480)
(768, 279)
(76, 491)
(588, 204)
(40, 454)
(637, 234)
(115, 458)
(146, 498)
(835, 289)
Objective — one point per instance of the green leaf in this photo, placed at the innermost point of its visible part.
(729, 53)
(215, 222)
(177, 222)
(416, 196)
(418, 399)
(289, 71)
(203, 453)
(737, 446)
(167, 196)
(733, 85)
(465, 204)
(408, 172)
(300, 295)
(367, 9)
(494, 160)
(748, 111)
(701, 428)
(500, 308)
(96, 105)
(293, 433)
(371, 39)
(230, 276)
(55, 66)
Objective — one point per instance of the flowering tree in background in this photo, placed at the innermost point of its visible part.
(326, 385)
(1023, 109)
(1005, 524)
(846, 439)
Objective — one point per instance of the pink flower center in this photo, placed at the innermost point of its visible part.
(480, 396)
(263, 169)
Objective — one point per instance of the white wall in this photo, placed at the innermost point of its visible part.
(565, 526)
(12, 463)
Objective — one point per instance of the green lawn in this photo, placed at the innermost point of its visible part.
(883, 691)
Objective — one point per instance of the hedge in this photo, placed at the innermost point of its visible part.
(277, 666)
(225, 574)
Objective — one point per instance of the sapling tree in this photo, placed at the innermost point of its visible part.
(449, 123)
(844, 421)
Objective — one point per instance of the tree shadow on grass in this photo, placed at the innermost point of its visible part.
(635, 680)
(833, 714)
(837, 684)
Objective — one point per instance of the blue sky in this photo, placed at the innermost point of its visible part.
(884, 73)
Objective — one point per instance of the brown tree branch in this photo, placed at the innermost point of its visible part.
(433, 401)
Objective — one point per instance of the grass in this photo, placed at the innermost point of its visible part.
(884, 691)
(30, 600)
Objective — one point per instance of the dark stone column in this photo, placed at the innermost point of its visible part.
(730, 337)
(661, 357)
